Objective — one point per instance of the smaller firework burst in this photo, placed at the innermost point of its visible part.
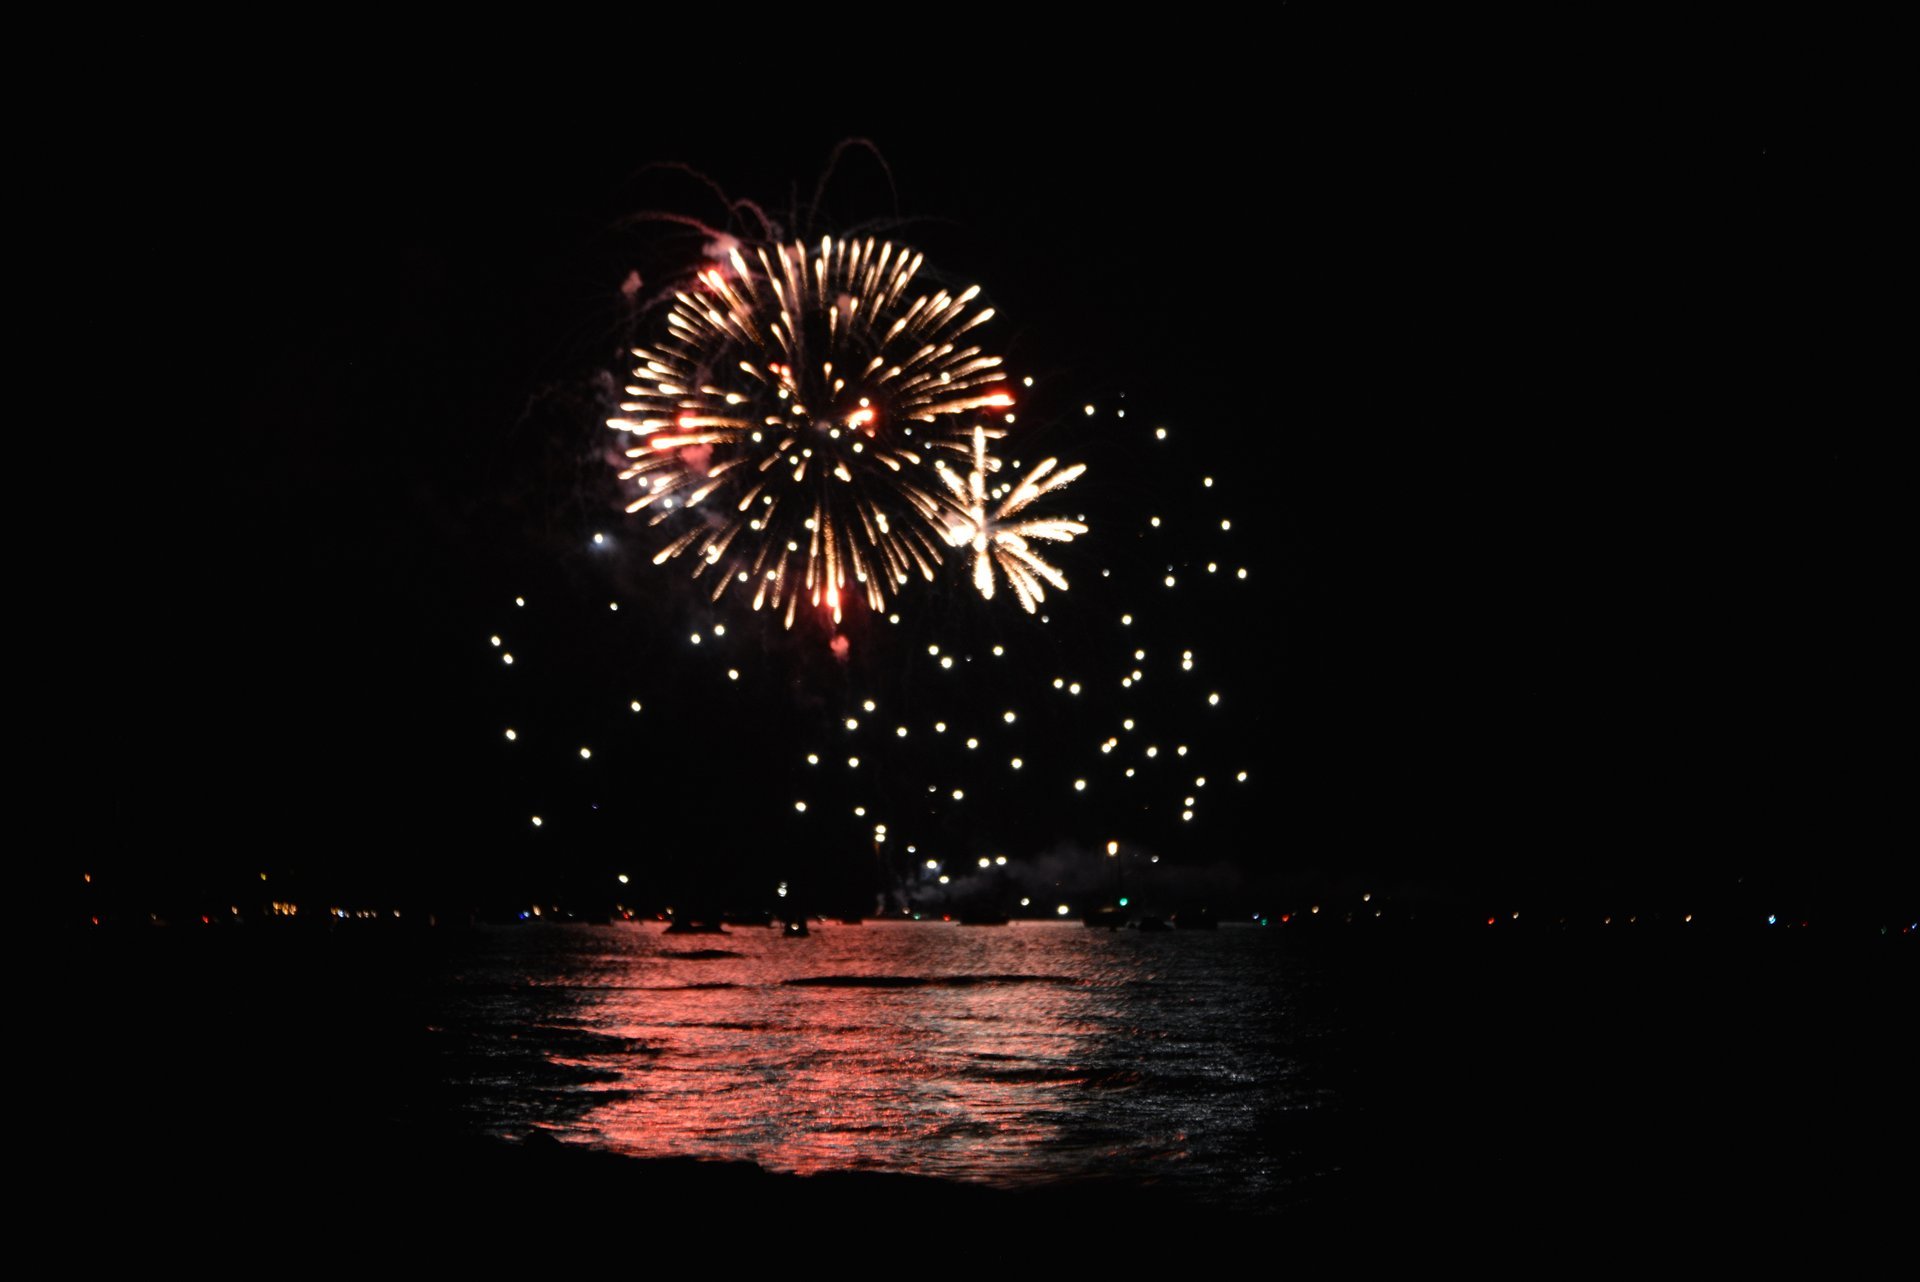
(999, 537)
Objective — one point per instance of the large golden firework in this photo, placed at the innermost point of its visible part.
(792, 416)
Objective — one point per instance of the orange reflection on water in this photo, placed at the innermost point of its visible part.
(931, 1049)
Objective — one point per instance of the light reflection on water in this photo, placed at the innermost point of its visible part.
(1009, 1054)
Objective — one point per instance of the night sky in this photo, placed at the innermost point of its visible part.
(1575, 584)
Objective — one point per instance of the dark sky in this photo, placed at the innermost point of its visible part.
(1574, 581)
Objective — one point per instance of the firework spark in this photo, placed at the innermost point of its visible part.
(797, 400)
(998, 537)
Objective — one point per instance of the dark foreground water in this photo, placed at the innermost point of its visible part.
(1005, 1055)
(1532, 1096)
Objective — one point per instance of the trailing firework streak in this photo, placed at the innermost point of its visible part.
(793, 417)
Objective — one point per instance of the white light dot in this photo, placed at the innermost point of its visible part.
(511, 736)
(1000, 859)
(719, 629)
(946, 661)
(1089, 411)
(1242, 776)
(519, 600)
(599, 538)
(733, 674)
(901, 731)
(1226, 525)
(1213, 699)
(944, 879)
(1063, 910)
(1079, 785)
(1186, 814)
(495, 640)
(1008, 718)
(506, 658)
(1207, 481)
(1129, 772)
(1243, 572)
(1126, 620)
(536, 821)
(801, 806)
(1016, 763)
(813, 758)
(999, 650)
(586, 753)
(939, 727)
(1200, 781)
(623, 879)
(614, 606)
(853, 763)
(973, 743)
(957, 794)
(1074, 688)
(1154, 522)
(869, 705)
(1127, 724)
(1159, 433)
(853, 723)
(696, 638)
(635, 705)
(1169, 580)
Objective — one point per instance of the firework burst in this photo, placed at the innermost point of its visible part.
(999, 536)
(792, 416)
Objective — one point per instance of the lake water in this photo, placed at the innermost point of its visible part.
(1009, 1055)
